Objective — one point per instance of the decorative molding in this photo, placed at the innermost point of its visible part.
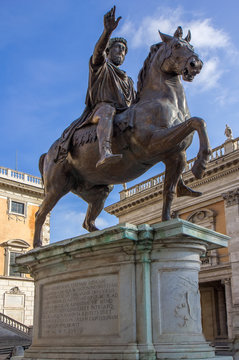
(206, 218)
(17, 218)
(27, 189)
(231, 197)
(203, 217)
(16, 243)
(15, 290)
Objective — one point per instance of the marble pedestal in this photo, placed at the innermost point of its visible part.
(124, 293)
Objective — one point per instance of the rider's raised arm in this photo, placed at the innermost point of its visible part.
(110, 25)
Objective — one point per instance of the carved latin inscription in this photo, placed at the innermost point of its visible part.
(80, 307)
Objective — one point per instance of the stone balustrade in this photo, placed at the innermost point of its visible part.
(20, 177)
(15, 324)
(158, 180)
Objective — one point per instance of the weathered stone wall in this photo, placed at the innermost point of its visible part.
(17, 299)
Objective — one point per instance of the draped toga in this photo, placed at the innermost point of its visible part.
(107, 84)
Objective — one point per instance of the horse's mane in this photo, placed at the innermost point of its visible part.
(147, 62)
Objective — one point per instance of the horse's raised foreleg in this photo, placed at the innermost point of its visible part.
(174, 168)
(95, 197)
(167, 139)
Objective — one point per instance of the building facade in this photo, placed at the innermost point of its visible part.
(217, 209)
(20, 197)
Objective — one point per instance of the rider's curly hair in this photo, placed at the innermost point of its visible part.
(114, 40)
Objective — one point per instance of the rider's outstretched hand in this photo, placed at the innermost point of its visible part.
(110, 23)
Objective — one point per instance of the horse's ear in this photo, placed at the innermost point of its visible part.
(179, 32)
(164, 37)
(188, 37)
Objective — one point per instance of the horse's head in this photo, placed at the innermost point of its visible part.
(178, 55)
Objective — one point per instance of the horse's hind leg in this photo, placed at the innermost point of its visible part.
(50, 200)
(58, 186)
(95, 197)
(174, 168)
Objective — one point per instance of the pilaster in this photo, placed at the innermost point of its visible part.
(231, 199)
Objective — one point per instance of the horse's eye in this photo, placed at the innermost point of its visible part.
(177, 45)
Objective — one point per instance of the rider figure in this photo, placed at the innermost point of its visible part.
(110, 90)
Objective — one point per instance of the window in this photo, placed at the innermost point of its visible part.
(17, 207)
(13, 248)
(12, 262)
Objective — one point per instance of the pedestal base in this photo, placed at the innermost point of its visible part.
(125, 293)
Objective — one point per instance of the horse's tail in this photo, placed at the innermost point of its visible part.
(41, 162)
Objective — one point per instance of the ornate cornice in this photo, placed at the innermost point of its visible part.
(231, 197)
(22, 188)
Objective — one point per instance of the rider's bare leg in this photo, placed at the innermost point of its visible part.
(104, 116)
(95, 197)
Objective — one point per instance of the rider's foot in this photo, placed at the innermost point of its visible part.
(108, 159)
(183, 190)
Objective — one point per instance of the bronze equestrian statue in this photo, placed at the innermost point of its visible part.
(157, 126)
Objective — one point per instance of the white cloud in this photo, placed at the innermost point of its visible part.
(67, 223)
(146, 33)
(102, 223)
(209, 75)
(207, 39)
(204, 34)
(207, 36)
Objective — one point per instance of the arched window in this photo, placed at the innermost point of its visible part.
(13, 248)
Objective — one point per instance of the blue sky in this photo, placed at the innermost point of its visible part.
(45, 46)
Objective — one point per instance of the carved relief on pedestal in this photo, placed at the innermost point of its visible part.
(182, 300)
(185, 310)
(231, 197)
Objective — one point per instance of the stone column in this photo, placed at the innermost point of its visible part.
(222, 323)
(231, 199)
(228, 296)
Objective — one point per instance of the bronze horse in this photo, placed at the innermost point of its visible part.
(161, 130)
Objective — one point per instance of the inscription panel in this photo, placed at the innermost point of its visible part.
(86, 306)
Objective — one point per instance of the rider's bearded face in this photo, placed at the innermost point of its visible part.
(117, 53)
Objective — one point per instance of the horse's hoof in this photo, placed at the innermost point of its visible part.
(37, 244)
(183, 190)
(199, 168)
(166, 217)
(93, 228)
(90, 227)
